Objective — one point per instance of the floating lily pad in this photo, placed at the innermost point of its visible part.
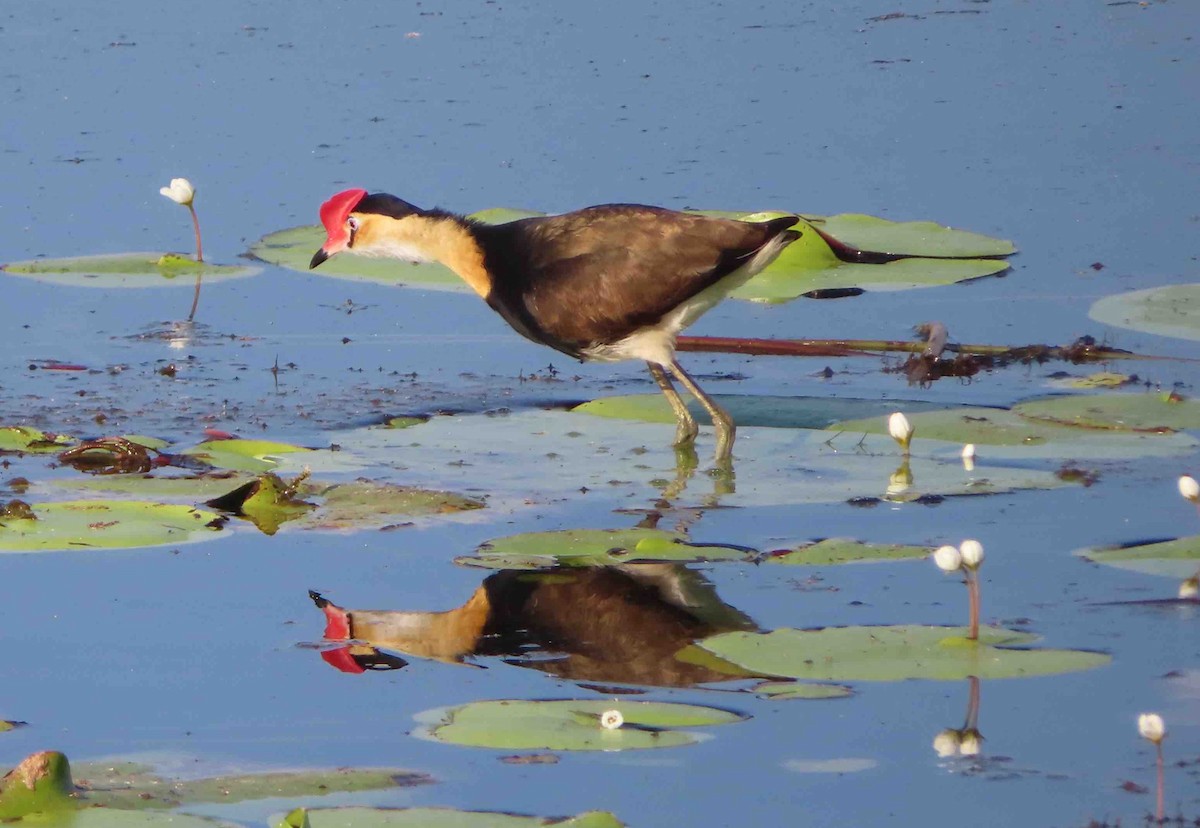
(191, 488)
(576, 455)
(912, 238)
(1173, 311)
(1002, 429)
(127, 270)
(748, 410)
(244, 455)
(896, 653)
(1100, 379)
(788, 690)
(1118, 412)
(594, 547)
(806, 265)
(365, 504)
(569, 724)
(810, 264)
(845, 550)
(32, 440)
(134, 786)
(404, 422)
(358, 817)
(104, 524)
(6, 725)
(40, 784)
(1178, 558)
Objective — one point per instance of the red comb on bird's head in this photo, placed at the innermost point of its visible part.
(337, 209)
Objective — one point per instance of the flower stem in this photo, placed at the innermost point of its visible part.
(196, 227)
(1158, 814)
(973, 597)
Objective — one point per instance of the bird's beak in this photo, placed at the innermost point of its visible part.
(318, 257)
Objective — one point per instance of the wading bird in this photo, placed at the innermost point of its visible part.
(606, 283)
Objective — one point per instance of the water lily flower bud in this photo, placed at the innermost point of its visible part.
(1190, 588)
(971, 744)
(181, 191)
(968, 457)
(1189, 489)
(948, 558)
(1151, 727)
(946, 743)
(972, 553)
(900, 429)
(611, 719)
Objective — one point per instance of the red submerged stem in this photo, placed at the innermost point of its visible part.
(196, 227)
(973, 595)
(1158, 814)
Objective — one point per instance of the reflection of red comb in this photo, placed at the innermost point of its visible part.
(342, 659)
(335, 211)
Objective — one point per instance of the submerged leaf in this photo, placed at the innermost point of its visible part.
(1118, 412)
(896, 653)
(361, 817)
(594, 547)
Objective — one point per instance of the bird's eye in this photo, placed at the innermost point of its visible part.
(352, 223)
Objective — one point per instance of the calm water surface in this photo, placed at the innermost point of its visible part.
(1071, 128)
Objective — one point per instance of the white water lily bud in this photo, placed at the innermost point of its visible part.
(1151, 727)
(971, 744)
(181, 191)
(1190, 588)
(611, 719)
(968, 457)
(972, 553)
(900, 429)
(946, 743)
(1189, 489)
(948, 558)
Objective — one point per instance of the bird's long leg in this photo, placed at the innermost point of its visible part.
(721, 420)
(686, 431)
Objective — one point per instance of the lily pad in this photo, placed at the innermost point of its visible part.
(595, 547)
(126, 270)
(136, 786)
(359, 817)
(1172, 311)
(105, 524)
(912, 238)
(788, 690)
(896, 653)
(32, 440)
(191, 488)
(40, 784)
(845, 550)
(749, 410)
(1117, 412)
(569, 724)
(1178, 558)
(244, 455)
(6, 725)
(1011, 435)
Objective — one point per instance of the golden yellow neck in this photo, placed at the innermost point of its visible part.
(425, 238)
(442, 635)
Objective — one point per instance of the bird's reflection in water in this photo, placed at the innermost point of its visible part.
(615, 625)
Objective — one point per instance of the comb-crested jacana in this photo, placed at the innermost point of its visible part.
(606, 283)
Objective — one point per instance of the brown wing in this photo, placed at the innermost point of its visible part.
(597, 274)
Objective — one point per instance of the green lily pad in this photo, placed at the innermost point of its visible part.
(404, 422)
(896, 654)
(6, 725)
(365, 504)
(845, 550)
(105, 524)
(912, 238)
(788, 690)
(128, 786)
(1172, 311)
(244, 455)
(1008, 434)
(191, 488)
(1118, 412)
(32, 440)
(569, 724)
(126, 270)
(1178, 558)
(576, 455)
(594, 547)
(748, 410)
(359, 817)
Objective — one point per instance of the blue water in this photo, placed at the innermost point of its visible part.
(1070, 128)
